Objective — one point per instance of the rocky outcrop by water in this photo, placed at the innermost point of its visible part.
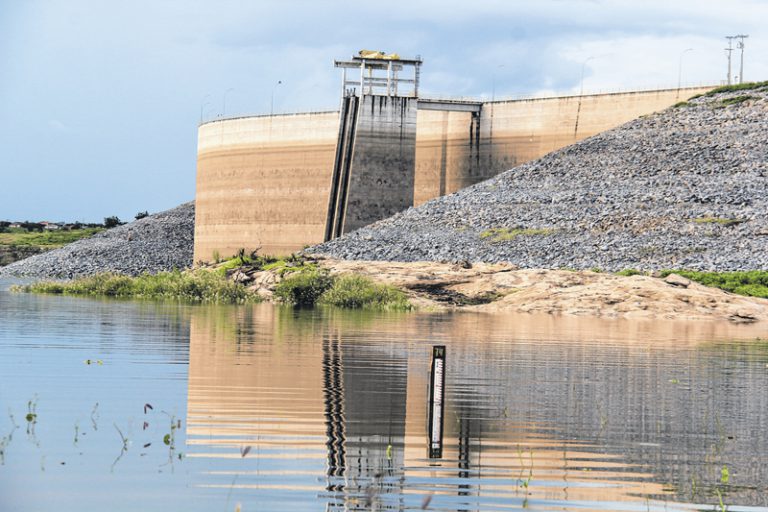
(162, 241)
(684, 188)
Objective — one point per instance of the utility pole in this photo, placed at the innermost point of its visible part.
(728, 51)
(740, 46)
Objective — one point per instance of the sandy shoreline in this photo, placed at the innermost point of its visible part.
(503, 288)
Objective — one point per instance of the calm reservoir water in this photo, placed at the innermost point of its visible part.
(251, 408)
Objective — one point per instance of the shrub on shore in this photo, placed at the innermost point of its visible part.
(303, 288)
(198, 286)
(358, 292)
(317, 286)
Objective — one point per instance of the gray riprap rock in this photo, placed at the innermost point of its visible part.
(162, 241)
(684, 188)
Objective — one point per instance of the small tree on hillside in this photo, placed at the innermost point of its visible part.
(141, 215)
(111, 222)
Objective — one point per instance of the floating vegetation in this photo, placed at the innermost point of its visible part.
(123, 449)
(6, 440)
(169, 439)
(95, 417)
(31, 416)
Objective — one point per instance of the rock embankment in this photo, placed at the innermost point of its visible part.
(162, 241)
(684, 188)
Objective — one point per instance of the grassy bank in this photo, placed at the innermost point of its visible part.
(17, 244)
(753, 283)
(45, 239)
(300, 283)
(198, 286)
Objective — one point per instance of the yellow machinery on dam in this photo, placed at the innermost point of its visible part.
(277, 183)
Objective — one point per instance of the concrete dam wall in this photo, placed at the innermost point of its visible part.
(278, 183)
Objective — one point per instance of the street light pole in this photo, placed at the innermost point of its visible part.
(272, 99)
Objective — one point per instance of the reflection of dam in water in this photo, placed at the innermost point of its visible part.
(335, 407)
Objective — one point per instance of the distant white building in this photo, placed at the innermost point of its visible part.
(51, 226)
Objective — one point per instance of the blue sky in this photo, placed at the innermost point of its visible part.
(100, 100)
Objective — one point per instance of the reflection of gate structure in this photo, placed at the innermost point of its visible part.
(365, 410)
(333, 398)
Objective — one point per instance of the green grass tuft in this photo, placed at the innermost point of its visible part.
(359, 292)
(681, 104)
(718, 220)
(241, 259)
(198, 286)
(736, 100)
(303, 288)
(753, 283)
(506, 234)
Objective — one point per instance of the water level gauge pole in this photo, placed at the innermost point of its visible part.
(436, 402)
